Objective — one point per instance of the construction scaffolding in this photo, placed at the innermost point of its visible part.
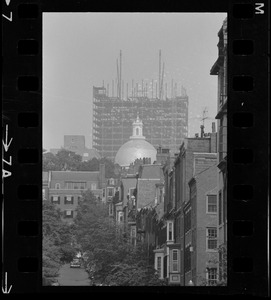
(165, 121)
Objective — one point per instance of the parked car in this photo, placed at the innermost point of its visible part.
(75, 263)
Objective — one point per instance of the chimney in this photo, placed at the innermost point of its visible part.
(213, 127)
(201, 131)
(162, 155)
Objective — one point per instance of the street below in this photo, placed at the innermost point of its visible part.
(73, 276)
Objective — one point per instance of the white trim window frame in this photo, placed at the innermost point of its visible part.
(211, 276)
(170, 231)
(68, 213)
(159, 265)
(110, 191)
(211, 239)
(212, 205)
(93, 186)
(175, 260)
(55, 199)
(68, 199)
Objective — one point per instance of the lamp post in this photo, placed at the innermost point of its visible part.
(190, 283)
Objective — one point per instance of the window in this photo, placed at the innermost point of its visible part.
(131, 192)
(110, 192)
(85, 154)
(57, 186)
(120, 216)
(93, 186)
(211, 276)
(68, 213)
(70, 185)
(170, 231)
(211, 238)
(68, 200)
(159, 266)
(55, 199)
(43, 194)
(137, 131)
(175, 260)
(103, 193)
(211, 204)
(219, 208)
(110, 209)
(187, 258)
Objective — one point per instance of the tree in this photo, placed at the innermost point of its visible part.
(50, 162)
(110, 254)
(110, 168)
(56, 243)
(90, 165)
(68, 160)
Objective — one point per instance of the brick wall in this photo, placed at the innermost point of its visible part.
(146, 191)
(205, 182)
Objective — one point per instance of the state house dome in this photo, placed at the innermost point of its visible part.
(136, 147)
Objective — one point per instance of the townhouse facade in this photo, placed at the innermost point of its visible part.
(200, 224)
(182, 217)
(64, 189)
(220, 70)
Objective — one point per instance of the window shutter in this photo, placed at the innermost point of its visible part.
(52, 199)
(65, 199)
(58, 199)
(72, 199)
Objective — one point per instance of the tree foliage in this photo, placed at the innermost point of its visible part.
(56, 243)
(68, 160)
(111, 258)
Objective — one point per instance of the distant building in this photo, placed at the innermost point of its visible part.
(65, 188)
(165, 119)
(76, 144)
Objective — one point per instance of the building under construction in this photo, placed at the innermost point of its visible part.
(165, 119)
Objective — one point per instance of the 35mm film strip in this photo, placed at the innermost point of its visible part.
(248, 141)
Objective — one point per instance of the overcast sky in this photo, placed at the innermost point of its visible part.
(80, 51)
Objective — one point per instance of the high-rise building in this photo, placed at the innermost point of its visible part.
(165, 120)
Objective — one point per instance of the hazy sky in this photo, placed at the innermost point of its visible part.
(80, 51)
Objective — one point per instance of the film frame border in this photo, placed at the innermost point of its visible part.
(247, 116)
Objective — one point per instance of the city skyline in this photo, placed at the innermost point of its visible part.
(76, 59)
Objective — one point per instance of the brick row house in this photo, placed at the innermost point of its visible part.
(171, 206)
(220, 70)
(64, 188)
(177, 205)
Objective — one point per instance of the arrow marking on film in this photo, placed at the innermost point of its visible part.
(6, 290)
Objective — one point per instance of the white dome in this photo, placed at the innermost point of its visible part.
(133, 149)
(136, 147)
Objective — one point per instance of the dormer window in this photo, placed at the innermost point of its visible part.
(57, 186)
(137, 131)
